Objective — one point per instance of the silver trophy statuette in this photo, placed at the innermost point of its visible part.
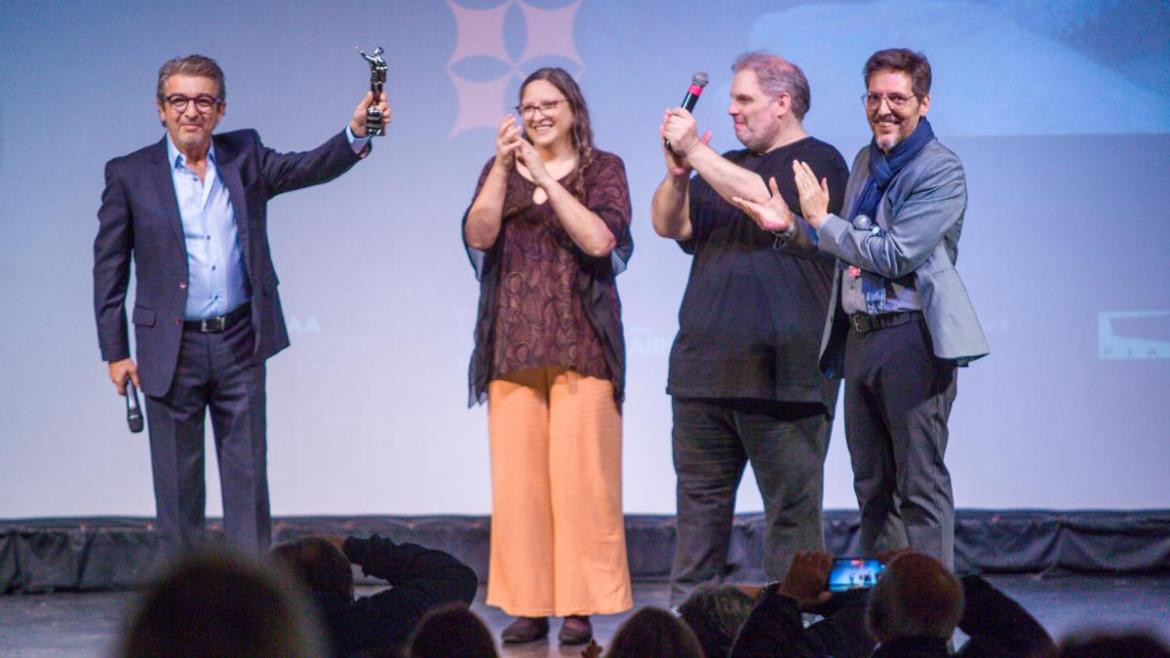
(375, 122)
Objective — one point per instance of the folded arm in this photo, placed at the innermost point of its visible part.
(422, 577)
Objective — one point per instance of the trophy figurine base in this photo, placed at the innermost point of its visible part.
(374, 124)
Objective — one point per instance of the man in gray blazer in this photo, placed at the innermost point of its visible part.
(900, 320)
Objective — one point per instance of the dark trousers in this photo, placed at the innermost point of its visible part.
(215, 371)
(713, 440)
(898, 398)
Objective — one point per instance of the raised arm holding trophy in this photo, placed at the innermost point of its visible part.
(375, 120)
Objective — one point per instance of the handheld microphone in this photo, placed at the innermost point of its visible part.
(698, 81)
(133, 411)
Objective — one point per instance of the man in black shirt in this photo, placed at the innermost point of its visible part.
(743, 369)
(421, 580)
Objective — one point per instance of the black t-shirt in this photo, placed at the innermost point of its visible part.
(752, 316)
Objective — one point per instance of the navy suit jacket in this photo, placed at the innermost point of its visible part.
(139, 219)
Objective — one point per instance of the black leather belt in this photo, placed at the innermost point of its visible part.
(863, 323)
(220, 322)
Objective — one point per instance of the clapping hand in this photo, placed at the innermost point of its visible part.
(771, 215)
(526, 155)
(508, 140)
(814, 196)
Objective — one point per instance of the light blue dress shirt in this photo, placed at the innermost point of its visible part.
(899, 297)
(217, 281)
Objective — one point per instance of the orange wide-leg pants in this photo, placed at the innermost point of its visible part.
(558, 541)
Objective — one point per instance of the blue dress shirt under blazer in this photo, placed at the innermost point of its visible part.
(139, 218)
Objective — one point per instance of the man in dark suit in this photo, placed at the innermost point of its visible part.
(190, 211)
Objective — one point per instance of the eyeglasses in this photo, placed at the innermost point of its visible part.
(546, 108)
(203, 102)
(895, 101)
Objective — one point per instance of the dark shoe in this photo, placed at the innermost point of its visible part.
(576, 630)
(525, 629)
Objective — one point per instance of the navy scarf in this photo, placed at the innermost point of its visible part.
(883, 168)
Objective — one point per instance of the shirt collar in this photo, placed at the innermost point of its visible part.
(178, 160)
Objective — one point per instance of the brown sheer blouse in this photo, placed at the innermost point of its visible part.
(536, 312)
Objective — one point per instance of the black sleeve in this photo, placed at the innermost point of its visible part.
(842, 633)
(422, 579)
(774, 628)
(837, 173)
(997, 625)
(827, 163)
(803, 242)
(698, 191)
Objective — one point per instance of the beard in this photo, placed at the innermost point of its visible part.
(887, 140)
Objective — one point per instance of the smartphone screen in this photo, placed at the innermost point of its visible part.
(854, 573)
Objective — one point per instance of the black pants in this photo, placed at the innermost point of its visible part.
(898, 398)
(712, 441)
(215, 371)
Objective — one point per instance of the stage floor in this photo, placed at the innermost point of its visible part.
(85, 624)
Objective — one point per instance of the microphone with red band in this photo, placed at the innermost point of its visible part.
(698, 81)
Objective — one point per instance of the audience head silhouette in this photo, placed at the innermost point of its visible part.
(715, 614)
(654, 632)
(218, 605)
(452, 632)
(915, 597)
(318, 564)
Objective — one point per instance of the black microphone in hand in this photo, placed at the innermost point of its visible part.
(133, 411)
(698, 81)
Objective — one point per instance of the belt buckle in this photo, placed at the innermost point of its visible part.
(212, 325)
(860, 323)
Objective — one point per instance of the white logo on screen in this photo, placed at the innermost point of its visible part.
(480, 33)
(1133, 335)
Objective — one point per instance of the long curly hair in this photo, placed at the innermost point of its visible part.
(582, 131)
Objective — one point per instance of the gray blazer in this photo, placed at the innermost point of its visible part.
(921, 216)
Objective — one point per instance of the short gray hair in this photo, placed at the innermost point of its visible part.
(777, 76)
(196, 65)
(916, 596)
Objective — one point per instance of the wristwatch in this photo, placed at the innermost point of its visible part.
(781, 238)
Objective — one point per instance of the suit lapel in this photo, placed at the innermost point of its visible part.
(228, 165)
(164, 184)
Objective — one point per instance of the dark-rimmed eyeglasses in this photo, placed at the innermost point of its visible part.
(546, 108)
(203, 102)
(895, 101)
